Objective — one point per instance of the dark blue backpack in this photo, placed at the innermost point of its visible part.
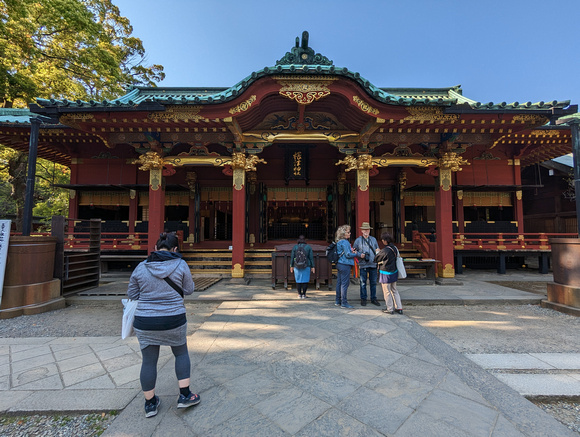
(332, 254)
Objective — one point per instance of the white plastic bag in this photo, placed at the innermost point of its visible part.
(129, 307)
(401, 266)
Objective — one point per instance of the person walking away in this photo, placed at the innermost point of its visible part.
(366, 245)
(388, 274)
(302, 264)
(160, 318)
(344, 265)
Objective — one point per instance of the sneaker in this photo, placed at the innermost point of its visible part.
(363, 302)
(188, 401)
(399, 311)
(337, 304)
(376, 302)
(388, 312)
(151, 409)
(346, 305)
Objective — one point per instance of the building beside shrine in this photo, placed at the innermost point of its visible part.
(297, 148)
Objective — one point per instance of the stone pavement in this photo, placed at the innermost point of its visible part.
(267, 363)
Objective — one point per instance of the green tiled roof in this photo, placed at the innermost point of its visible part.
(16, 116)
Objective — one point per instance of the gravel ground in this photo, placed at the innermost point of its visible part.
(469, 329)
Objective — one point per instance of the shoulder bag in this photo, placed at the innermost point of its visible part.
(129, 307)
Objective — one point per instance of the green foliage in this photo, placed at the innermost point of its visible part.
(74, 49)
(49, 200)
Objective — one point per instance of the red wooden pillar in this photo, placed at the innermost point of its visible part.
(73, 202)
(156, 207)
(444, 216)
(238, 215)
(459, 213)
(191, 219)
(362, 206)
(518, 204)
(133, 207)
(362, 190)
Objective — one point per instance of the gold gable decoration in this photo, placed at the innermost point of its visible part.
(305, 90)
(487, 198)
(178, 113)
(423, 114)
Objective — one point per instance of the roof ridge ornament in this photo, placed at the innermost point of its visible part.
(301, 54)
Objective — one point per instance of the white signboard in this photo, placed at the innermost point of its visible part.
(4, 237)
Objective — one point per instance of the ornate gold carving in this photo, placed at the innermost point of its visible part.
(545, 133)
(362, 179)
(244, 106)
(452, 161)
(132, 194)
(237, 271)
(420, 113)
(150, 161)
(364, 106)
(363, 162)
(155, 178)
(239, 160)
(519, 194)
(447, 272)
(72, 194)
(531, 119)
(305, 91)
(460, 194)
(239, 178)
(445, 179)
(402, 179)
(178, 113)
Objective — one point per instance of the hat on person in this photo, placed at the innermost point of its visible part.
(365, 225)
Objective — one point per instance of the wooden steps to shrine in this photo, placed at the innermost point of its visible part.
(218, 263)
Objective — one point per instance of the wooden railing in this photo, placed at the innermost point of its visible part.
(109, 241)
(506, 241)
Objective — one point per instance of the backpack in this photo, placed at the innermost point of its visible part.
(300, 258)
(332, 253)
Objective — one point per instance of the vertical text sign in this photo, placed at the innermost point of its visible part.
(4, 237)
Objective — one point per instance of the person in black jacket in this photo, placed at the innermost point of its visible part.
(388, 274)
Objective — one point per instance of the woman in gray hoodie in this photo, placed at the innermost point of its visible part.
(159, 284)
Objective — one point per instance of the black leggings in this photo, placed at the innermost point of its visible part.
(149, 366)
(302, 287)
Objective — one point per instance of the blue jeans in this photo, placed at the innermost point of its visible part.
(371, 272)
(342, 283)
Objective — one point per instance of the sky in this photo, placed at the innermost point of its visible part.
(509, 50)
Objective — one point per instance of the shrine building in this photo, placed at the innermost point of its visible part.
(301, 147)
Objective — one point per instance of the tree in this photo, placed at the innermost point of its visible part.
(73, 49)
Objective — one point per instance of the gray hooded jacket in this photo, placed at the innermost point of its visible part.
(156, 297)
